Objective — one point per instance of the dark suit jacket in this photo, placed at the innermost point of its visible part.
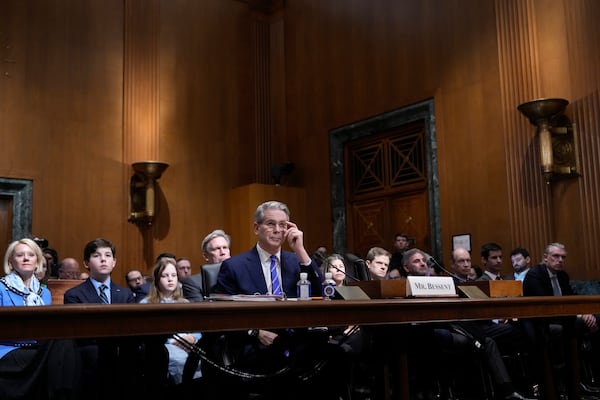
(86, 293)
(192, 288)
(141, 291)
(485, 277)
(537, 282)
(243, 274)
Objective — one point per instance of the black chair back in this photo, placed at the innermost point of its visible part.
(356, 268)
(210, 272)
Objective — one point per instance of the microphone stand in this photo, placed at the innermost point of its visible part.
(344, 272)
(439, 266)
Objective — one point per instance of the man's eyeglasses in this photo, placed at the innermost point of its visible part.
(271, 225)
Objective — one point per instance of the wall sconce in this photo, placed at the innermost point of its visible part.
(142, 191)
(557, 137)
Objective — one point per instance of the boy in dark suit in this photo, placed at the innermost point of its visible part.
(99, 259)
(109, 364)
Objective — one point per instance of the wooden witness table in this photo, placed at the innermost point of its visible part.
(91, 320)
(96, 320)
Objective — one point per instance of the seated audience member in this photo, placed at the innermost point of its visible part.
(166, 290)
(215, 248)
(184, 268)
(51, 257)
(69, 269)
(491, 257)
(165, 255)
(395, 273)
(475, 273)
(549, 278)
(99, 258)
(110, 368)
(509, 334)
(520, 261)
(378, 260)
(137, 284)
(461, 265)
(456, 337)
(30, 369)
(401, 244)
(348, 336)
(335, 264)
(319, 255)
(42, 273)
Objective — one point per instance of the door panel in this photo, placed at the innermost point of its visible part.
(6, 206)
(410, 215)
(387, 189)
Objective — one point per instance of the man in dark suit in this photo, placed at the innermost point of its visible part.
(462, 334)
(137, 284)
(491, 258)
(249, 272)
(268, 270)
(215, 249)
(549, 278)
(401, 244)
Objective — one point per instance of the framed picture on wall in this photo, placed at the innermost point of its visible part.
(463, 240)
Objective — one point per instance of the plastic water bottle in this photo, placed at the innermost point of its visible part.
(304, 287)
(328, 287)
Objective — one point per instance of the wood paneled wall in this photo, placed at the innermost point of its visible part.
(220, 92)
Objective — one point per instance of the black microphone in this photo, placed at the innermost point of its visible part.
(347, 275)
(437, 265)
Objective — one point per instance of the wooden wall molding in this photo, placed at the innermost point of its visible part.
(262, 100)
(583, 40)
(141, 80)
(141, 112)
(528, 195)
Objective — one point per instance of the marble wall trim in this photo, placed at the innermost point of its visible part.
(21, 192)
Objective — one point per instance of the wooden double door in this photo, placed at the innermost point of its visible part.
(387, 189)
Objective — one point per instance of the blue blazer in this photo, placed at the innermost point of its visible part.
(11, 299)
(86, 293)
(243, 274)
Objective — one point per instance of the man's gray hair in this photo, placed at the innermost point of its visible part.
(409, 253)
(215, 234)
(259, 215)
(555, 244)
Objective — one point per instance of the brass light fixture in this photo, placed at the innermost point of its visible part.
(557, 137)
(142, 191)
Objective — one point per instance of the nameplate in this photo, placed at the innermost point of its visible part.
(430, 286)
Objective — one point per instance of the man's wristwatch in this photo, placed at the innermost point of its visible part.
(253, 332)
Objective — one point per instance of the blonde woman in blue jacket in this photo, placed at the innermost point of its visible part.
(30, 368)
